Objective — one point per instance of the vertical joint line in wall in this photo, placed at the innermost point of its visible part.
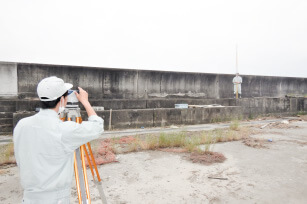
(153, 117)
(137, 84)
(218, 86)
(181, 117)
(160, 83)
(17, 75)
(260, 88)
(280, 91)
(102, 84)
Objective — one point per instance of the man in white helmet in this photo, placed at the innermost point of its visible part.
(44, 145)
(237, 81)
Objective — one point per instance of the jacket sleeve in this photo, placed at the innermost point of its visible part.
(74, 134)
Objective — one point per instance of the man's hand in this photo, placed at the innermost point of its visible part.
(82, 96)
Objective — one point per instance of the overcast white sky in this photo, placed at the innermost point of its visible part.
(174, 35)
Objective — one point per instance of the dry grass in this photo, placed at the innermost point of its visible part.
(190, 141)
(7, 154)
(207, 157)
(150, 143)
(197, 143)
(200, 143)
(234, 125)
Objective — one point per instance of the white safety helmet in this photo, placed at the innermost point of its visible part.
(51, 88)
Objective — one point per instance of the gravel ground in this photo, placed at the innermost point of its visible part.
(273, 172)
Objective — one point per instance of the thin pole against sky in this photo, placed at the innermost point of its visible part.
(237, 71)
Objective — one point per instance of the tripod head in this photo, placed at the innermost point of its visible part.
(72, 109)
(72, 101)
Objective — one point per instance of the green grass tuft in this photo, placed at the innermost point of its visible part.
(234, 125)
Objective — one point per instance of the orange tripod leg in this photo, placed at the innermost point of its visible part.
(82, 149)
(85, 175)
(82, 169)
(93, 159)
(77, 178)
(89, 162)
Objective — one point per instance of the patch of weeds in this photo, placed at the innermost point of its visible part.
(133, 146)
(218, 135)
(190, 144)
(229, 135)
(208, 143)
(164, 140)
(151, 142)
(215, 120)
(251, 116)
(200, 143)
(198, 150)
(302, 113)
(234, 125)
(178, 139)
(219, 138)
(7, 154)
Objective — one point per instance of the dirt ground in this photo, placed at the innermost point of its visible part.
(270, 168)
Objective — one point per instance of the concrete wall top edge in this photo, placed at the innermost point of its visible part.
(8, 63)
(114, 68)
(133, 70)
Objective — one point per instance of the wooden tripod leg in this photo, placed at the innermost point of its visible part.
(89, 162)
(85, 176)
(77, 178)
(93, 159)
(79, 165)
(97, 183)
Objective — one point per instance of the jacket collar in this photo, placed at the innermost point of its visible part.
(49, 113)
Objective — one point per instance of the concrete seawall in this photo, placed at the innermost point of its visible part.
(142, 98)
(155, 116)
(138, 118)
(106, 83)
(261, 105)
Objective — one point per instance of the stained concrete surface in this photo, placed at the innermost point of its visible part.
(275, 174)
(8, 79)
(158, 112)
(107, 83)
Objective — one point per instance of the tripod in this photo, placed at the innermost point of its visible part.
(72, 113)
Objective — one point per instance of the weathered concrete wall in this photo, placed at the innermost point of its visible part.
(8, 79)
(156, 117)
(104, 83)
(253, 106)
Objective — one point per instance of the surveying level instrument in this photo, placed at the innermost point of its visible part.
(72, 113)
